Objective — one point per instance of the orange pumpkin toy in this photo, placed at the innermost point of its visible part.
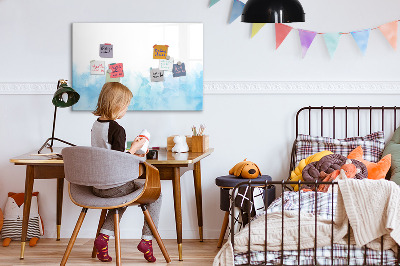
(245, 169)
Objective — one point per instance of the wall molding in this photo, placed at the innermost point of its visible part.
(244, 87)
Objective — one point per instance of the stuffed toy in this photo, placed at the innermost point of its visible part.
(13, 215)
(296, 174)
(180, 144)
(245, 169)
(375, 170)
(348, 170)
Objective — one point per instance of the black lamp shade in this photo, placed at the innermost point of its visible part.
(273, 11)
(73, 96)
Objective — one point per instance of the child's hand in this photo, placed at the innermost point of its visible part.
(137, 144)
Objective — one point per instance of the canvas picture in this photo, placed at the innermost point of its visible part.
(141, 56)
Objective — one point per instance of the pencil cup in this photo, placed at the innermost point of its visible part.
(200, 143)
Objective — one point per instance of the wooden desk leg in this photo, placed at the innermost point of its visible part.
(27, 206)
(199, 204)
(60, 190)
(176, 183)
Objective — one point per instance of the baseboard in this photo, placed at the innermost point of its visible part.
(246, 87)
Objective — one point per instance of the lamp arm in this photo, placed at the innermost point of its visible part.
(54, 126)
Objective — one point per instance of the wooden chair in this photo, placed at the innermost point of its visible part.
(85, 167)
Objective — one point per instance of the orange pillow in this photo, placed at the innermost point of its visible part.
(375, 170)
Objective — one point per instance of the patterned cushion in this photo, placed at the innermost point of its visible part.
(372, 144)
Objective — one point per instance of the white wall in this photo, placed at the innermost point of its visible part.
(35, 41)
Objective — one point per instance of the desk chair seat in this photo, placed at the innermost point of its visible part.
(83, 196)
(85, 167)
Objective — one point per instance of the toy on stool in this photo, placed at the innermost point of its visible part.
(13, 215)
(245, 169)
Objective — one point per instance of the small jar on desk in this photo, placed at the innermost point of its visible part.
(226, 183)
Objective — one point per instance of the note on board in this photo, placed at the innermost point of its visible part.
(97, 67)
(160, 51)
(110, 79)
(179, 70)
(106, 50)
(156, 75)
(117, 70)
(166, 64)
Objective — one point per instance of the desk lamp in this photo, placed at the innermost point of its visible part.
(273, 11)
(64, 96)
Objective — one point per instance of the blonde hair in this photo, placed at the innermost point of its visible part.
(113, 97)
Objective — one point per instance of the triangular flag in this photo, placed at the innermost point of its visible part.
(390, 32)
(256, 28)
(281, 31)
(237, 9)
(306, 39)
(361, 37)
(332, 41)
(213, 2)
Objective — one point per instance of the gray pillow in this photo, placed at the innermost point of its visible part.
(393, 148)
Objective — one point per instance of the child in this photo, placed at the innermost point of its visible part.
(112, 104)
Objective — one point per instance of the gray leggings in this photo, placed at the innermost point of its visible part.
(154, 208)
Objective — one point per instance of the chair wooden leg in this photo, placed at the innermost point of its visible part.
(154, 230)
(73, 237)
(101, 222)
(223, 229)
(117, 238)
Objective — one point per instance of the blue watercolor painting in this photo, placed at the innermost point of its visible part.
(174, 93)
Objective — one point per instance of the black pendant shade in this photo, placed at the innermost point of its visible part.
(273, 11)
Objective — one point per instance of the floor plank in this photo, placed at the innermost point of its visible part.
(50, 252)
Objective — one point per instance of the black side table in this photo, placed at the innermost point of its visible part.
(226, 183)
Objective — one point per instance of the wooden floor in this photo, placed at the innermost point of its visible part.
(50, 252)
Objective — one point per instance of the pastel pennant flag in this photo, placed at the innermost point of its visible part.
(332, 41)
(213, 2)
(256, 28)
(237, 9)
(306, 39)
(361, 37)
(389, 30)
(281, 31)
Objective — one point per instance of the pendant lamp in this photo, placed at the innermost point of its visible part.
(273, 11)
(64, 96)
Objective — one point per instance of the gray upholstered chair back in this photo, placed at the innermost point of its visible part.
(91, 166)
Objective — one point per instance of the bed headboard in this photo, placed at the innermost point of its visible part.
(344, 121)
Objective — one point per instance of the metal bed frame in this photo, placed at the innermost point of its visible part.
(283, 184)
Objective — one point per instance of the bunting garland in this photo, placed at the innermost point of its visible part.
(256, 27)
(237, 9)
(281, 31)
(213, 2)
(389, 30)
(332, 41)
(361, 37)
(306, 39)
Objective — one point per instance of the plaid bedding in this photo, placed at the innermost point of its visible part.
(323, 207)
(372, 145)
